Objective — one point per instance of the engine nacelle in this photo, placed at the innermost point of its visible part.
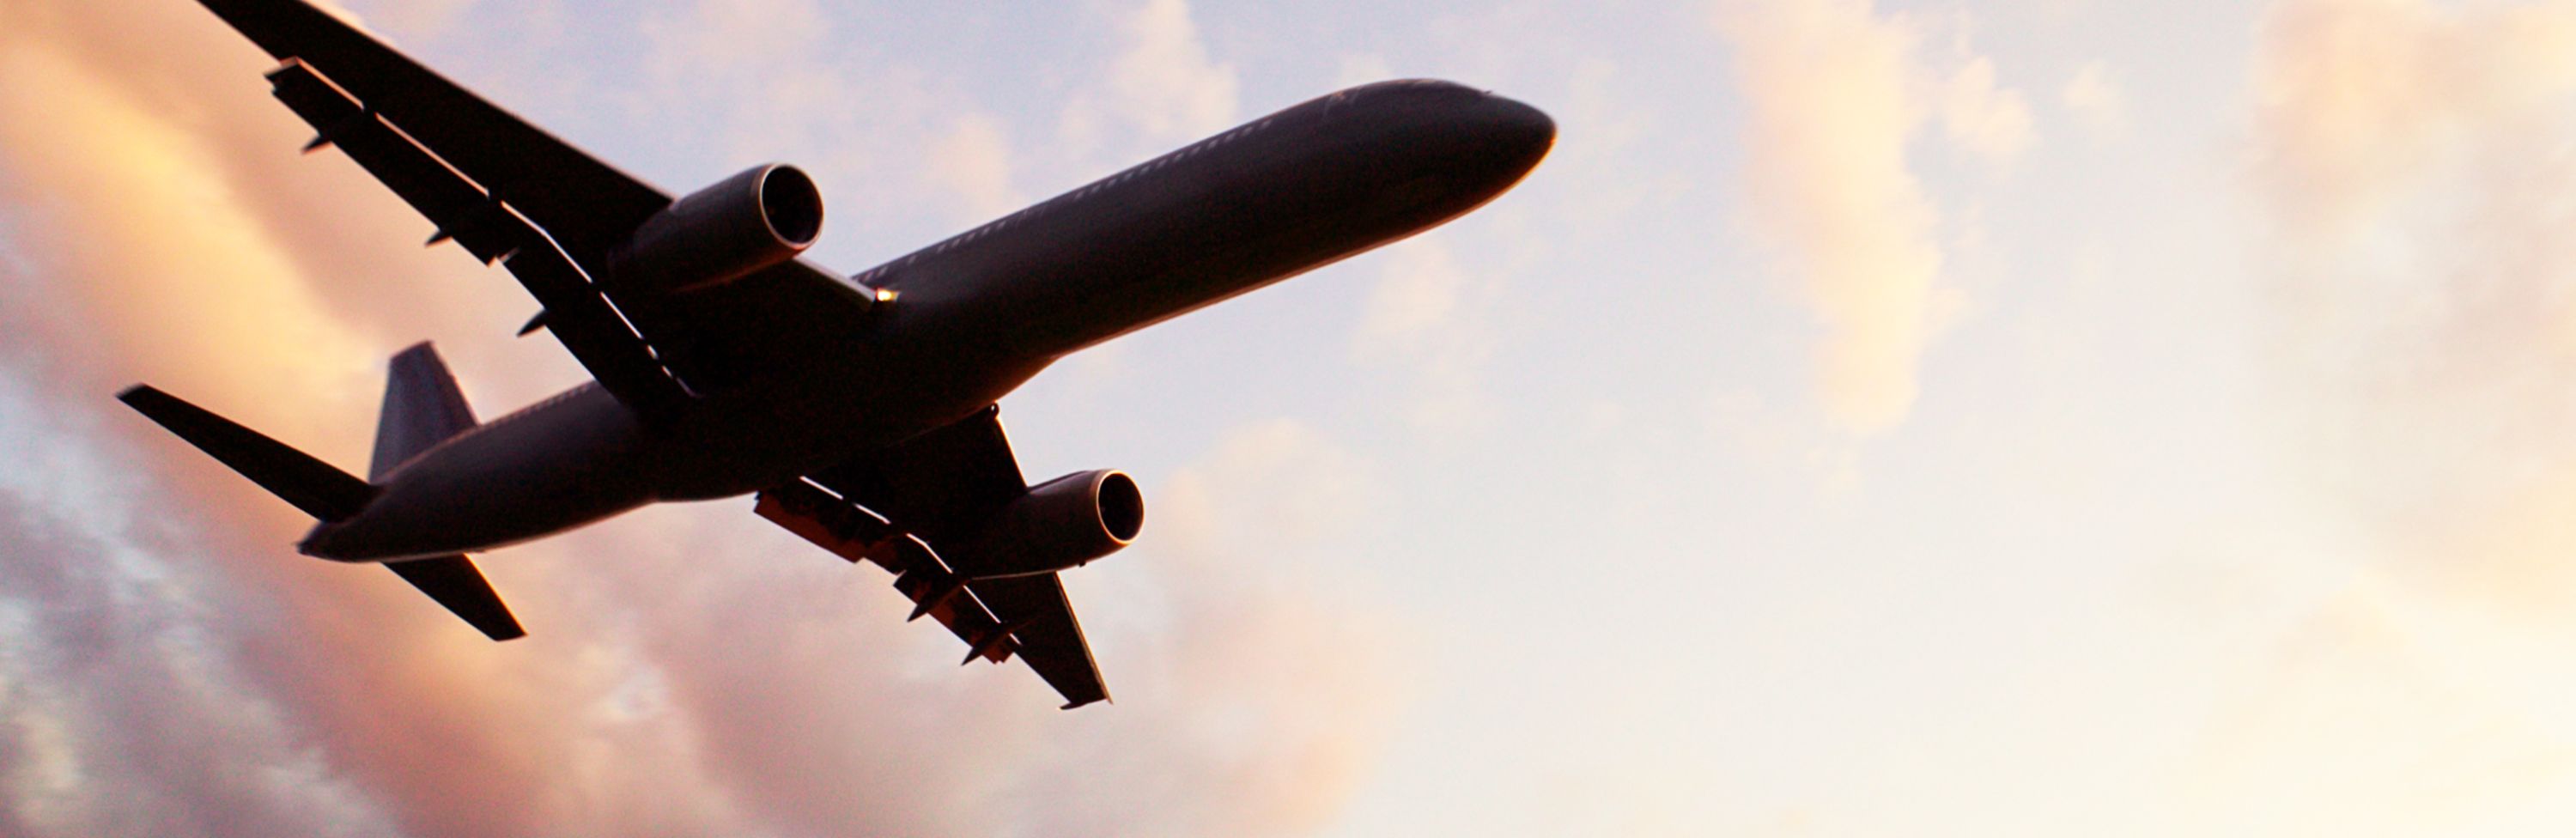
(1062, 523)
(722, 233)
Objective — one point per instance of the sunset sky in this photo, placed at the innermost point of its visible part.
(2053, 417)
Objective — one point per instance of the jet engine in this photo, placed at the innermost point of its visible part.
(1062, 523)
(761, 217)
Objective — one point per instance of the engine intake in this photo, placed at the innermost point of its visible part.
(1062, 523)
(761, 217)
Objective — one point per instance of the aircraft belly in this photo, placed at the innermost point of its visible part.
(566, 462)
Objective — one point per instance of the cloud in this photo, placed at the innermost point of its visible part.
(1834, 94)
(974, 160)
(1991, 122)
(2412, 160)
(1362, 68)
(769, 80)
(1165, 83)
(82, 752)
(2357, 101)
(2408, 162)
(423, 18)
(241, 674)
(2362, 718)
(1162, 87)
(2096, 99)
(170, 667)
(1301, 686)
(1279, 478)
(1433, 318)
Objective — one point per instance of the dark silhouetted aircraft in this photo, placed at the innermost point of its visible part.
(862, 410)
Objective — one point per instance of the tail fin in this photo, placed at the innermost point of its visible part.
(422, 408)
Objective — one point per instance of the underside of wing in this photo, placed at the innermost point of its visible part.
(554, 215)
(584, 203)
(459, 587)
(858, 536)
(899, 507)
(1049, 637)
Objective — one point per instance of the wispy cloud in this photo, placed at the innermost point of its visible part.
(1433, 319)
(2413, 160)
(2357, 102)
(772, 80)
(1162, 87)
(974, 160)
(2096, 99)
(1989, 121)
(1835, 93)
(2410, 162)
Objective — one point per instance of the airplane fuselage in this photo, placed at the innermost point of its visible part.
(977, 315)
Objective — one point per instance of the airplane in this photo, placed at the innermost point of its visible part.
(860, 412)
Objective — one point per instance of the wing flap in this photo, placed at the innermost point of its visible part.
(462, 210)
(1047, 635)
(584, 203)
(857, 536)
(586, 325)
(576, 313)
(939, 486)
(481, 174)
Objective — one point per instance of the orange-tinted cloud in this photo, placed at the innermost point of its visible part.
(2359, 101)
(1834, 93)
(1162, 89)
(2410, 162)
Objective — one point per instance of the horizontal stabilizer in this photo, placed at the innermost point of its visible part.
(458, 585)
(311, 485)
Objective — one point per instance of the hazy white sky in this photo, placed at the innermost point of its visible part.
(2030, 418)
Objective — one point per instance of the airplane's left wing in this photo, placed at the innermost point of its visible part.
(552, 214)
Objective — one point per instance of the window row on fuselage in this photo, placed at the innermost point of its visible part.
(871, 277)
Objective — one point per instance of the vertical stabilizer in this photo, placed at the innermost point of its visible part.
(423, 407)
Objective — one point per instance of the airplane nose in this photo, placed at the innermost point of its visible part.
(1519, 126)
(1509, 138)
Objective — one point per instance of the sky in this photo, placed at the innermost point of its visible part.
(1874, 418)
